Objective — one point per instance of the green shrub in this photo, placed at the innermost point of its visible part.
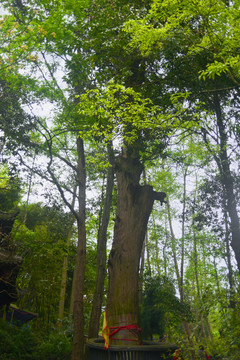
(57, 347)
(22, 344)
(16, 343)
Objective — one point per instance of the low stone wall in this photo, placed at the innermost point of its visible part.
(147, 351)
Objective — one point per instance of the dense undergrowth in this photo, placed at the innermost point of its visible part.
(54, 342)
(25, 344)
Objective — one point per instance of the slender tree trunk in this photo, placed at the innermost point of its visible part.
(216, 276)
(185, 324)
(209, 330)
(183, 235)
(78, 311)
(195, 260)
(148, 254)
(145, 247)
(228, 260)
(227, 181)
(173, 245)
(64, 278)
(101, 254)
(72, 292)
(223, 164)
(165, 246)
(179, 275)
(63, 289)
(158, 265)
(142, 266)
(65, 266)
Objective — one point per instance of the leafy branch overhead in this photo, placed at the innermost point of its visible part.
(202, 27)
(123, 116)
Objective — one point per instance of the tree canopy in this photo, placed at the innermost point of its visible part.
(107, 106)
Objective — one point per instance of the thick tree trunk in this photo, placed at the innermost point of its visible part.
(133, 210)
(78, 314)
(101, 254)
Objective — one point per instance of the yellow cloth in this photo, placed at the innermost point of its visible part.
(105, 330)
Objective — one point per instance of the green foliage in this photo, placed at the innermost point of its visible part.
(10, 190)
(158, 300)
(201, 27)
(44, 240)
(57, 221)
(56, 347)
(143, 92)
(16, 343)
(226, 341)
(121, 113)
(24, 344)
(152, 314)
(9, 196)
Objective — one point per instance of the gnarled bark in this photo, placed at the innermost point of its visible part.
(134, 207)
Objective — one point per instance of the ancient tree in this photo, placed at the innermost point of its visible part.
(134, 207)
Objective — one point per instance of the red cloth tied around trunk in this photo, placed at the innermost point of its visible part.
(133, 328)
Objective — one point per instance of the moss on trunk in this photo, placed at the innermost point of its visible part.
(133, 210)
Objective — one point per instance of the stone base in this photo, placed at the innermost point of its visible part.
(147, 351)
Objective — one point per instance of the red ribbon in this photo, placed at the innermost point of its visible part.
(132, 328)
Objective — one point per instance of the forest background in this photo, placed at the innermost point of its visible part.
(81, 81)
